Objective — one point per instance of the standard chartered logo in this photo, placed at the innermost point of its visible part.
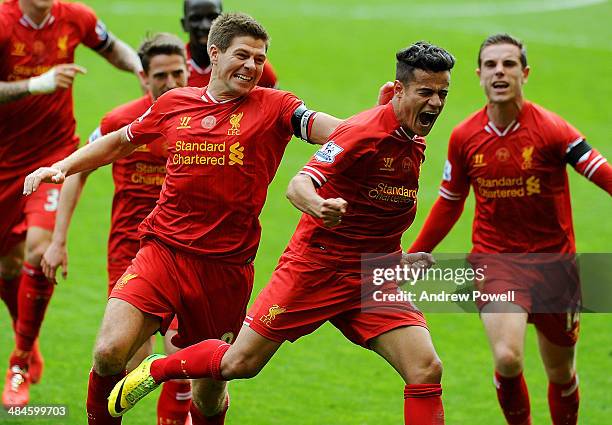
(236, 154)
(533, 185)
(206, 153)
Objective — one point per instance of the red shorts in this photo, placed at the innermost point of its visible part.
(208, 297)
(549, 292)
(302, 295)
(20, 212)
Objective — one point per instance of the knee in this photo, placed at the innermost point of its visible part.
(210, 401)
(10, 267)
(35, 250)
(508, 360)
(560, 374)
(239, 366)
(427, 372)
(109, 359)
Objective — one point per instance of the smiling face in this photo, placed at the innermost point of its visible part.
(237, 70)
(418, 104)
(166, 72)
(199, 16)
(501, 74)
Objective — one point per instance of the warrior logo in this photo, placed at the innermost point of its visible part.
(236, 154)
(274, 311)
(18, 49)
(184, 123)
(234, 120)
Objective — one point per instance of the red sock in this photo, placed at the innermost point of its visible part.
(173, 403)
(198, 418)
(9, 288)
(513, 398)
(423, 404)
(201, 360)
(563, 400)
(34, 295)
(98, 390)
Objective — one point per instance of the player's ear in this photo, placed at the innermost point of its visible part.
(526, 73)
(478, 75)
(213, 54)
(398, 88)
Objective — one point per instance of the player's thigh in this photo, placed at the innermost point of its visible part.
(559, 360)
(12, 261)
(124, 329)
(505, 325)
(410, 350)
(248, 354)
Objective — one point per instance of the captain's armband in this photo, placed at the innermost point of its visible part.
(301, 121)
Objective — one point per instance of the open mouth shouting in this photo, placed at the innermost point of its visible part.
(427, 118)
(500, 85)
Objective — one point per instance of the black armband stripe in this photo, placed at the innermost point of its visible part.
(576, 152)
(300, 121)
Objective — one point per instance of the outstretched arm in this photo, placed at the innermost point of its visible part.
(441, 219)
(303, 195)
(107, 149)
(122, 56)
(56, 254)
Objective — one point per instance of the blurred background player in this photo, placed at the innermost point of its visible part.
(225, 143)
(516, 141)
(37, 43)
(319, 276)
(198, 16)
(138, 179)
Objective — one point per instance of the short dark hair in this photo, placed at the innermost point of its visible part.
(503, 39)
(161, 43)
(231, 25)
(421, 55)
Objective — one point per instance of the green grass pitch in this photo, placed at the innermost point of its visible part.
(335, 54)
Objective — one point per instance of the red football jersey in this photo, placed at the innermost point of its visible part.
(374, 166)
(199, 77)
(138, 180)
(519, 179)
(39, 130)
(221, 158)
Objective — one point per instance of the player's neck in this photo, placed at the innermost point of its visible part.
(503, 114)
(37, 15)
(199, 55)
(219, 91)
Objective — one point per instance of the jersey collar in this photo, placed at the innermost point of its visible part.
(209, 98)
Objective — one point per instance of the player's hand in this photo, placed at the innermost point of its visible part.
(385, 93)
(60, 76)
(42, 175)
(332, 210)
(65, 74)
(54, 257)
(417, 260)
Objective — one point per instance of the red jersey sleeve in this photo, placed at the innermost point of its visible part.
(335, 156)
(268, 77)
(288, 103)
(93, 31)
(149, 127)
(455, 181)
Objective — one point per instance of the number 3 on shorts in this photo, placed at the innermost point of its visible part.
(52, 200)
